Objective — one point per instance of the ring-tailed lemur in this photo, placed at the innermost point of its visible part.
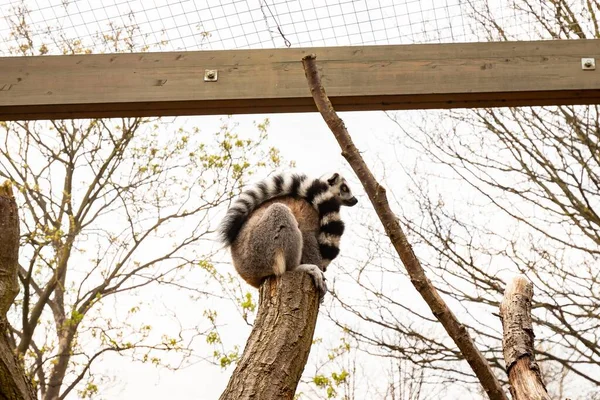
(269, 239)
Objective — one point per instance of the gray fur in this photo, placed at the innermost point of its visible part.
(255, 250)
(277, 230)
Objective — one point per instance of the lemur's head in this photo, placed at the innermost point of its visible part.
(341, 190)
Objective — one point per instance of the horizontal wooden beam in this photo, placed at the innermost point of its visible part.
(397, 77)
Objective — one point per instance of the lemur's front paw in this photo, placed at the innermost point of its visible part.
(318, 277)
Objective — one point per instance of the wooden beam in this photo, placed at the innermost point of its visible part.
(271, 81)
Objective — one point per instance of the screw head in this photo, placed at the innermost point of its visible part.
(588, 64)
(210, 75)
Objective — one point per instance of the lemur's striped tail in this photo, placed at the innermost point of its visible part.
(254, 196)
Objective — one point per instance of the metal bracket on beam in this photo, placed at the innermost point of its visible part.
(588, 64)
(211, 75)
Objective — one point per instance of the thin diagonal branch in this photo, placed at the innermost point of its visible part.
(377, 195)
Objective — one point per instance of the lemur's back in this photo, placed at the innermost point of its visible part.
(244, 249)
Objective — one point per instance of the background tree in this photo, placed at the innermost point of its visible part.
(14, 384)
(496, 192)
(114, 212)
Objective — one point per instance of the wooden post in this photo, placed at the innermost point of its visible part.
(515, 313)
(278, 347)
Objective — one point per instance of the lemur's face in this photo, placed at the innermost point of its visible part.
(340, 189)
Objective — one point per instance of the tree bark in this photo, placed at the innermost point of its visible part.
(14, 385)
(515, 313)
(278, 347)
(377, 195)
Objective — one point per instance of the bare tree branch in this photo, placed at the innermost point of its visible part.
(377, 194)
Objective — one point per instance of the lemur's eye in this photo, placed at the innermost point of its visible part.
(344, 188)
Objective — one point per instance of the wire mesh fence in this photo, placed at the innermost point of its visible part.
(136, 25)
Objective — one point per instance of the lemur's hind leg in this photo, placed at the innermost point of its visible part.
(276, 241)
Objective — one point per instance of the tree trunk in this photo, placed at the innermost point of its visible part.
(377, 194)
(278, 347)
(13, 382)
(515, 314)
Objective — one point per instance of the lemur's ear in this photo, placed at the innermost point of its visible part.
(333, 179)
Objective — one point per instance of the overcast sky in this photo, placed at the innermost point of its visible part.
(300, 137)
